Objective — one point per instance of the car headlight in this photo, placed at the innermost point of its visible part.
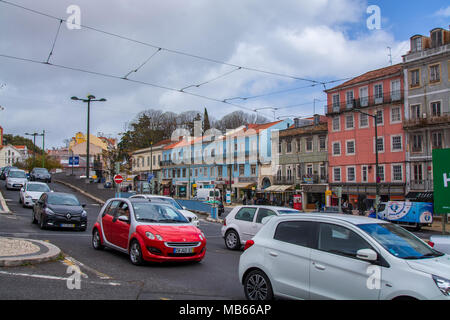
(84, 213)
(159, 237)
(28, 196)
(200, 236)
(150, 235)
(443, 285)
(49, 211)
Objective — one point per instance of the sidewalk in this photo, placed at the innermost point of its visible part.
(17, 251)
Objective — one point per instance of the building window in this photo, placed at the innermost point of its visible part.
(253, 170)
(299, 145)
(336, 124)
(379, 117)
(396, 93)
(396, 115)
(289, 146)
(416, 44)
(349, 121)
(378, 93)
(336, 148)
(415, 111)
(436, 39)
(241, 169)
(336, 103)
(414, 78)
(364, 96)
(417, 143)
(279, 147)
(351, 176)
(396, 142)
(309, 170)
(184, 172)
(349, 99)
(322, 143)
(380, 144)
(436, 138)
(350, 147)
(363, 120)
(337, 174)
(364, 174)
(380, 173)
(417, 172)
(289, 173)
(397, 172)
(309, 144)
(435, 75)
(299, 171)
(435, 109)
(219, 171)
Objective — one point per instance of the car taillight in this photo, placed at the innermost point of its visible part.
(430, 243)
(248, 244)
(224, 222)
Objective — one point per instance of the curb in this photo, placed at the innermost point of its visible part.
(52, 253)
(4, 206)
(100, 201)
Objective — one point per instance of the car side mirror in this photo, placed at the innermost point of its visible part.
(124, 219)
(83, 205)
(23, 190)
(367, 255)
(52, 191)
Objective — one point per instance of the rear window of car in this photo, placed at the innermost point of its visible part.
(245, 214)
(295, 232)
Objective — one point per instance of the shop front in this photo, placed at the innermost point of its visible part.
(314, 196)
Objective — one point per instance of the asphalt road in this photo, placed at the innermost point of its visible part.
(109, 274)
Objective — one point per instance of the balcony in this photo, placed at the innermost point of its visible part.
(421, 185)
(280, 180)
(427, 120)
(365, 102)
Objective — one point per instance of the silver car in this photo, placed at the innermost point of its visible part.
(31, 193)
(16, 179)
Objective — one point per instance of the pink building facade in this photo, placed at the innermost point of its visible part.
(351, 137)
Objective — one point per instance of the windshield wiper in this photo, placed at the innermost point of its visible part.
(147, 219)
(427, 255)
(172, 220)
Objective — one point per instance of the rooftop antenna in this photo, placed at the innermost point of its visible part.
(390, 55)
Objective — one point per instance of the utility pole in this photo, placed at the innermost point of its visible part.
(88, 101)
(43, 148)
(34, 134)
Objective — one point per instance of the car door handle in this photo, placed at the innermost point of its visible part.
(319, 266)
(273, 254)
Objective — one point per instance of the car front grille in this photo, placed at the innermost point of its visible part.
(182, 244)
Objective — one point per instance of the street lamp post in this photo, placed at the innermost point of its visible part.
(377, 185)
(34, 134)
(88, 101)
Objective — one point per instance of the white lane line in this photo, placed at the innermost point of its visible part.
(41, 276)
(72, 261)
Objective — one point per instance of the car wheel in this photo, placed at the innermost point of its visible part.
(257, 286)
(136, 253)
(96, 241)
(232, 240)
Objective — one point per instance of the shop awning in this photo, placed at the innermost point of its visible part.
(280, 188)
(243, 185)
(166, 182)
(420, 196)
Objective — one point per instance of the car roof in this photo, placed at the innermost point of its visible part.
(356, 220)
(15, 169)
(150, 196)
(266, 207)
(37, 182)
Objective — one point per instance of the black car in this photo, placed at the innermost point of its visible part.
(40, 174)
(5, 172)
(61, 210)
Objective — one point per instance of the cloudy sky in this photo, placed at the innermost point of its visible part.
(285, 47)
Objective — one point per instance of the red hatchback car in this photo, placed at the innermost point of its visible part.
(147, 231)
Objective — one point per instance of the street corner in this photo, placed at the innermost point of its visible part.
(18, 251)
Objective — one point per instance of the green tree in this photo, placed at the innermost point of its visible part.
(206, 124)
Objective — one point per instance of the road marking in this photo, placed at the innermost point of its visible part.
(71, 261)
(42, 276)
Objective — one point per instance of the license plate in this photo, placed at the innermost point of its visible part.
(64, 225)
(183, 250)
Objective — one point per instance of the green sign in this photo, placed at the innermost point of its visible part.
(441, 181)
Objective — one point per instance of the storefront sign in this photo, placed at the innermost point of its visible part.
(441, 180)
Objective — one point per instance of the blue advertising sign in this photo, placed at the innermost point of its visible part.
(150, 177)
(406, 212)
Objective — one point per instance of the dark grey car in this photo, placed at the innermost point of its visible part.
(40, 174)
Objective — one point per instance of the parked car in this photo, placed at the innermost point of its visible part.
(40, 174)
(16, 179)
(329, 256)
(59, 209)
(192, 217)
(332, 209)
(441, 243)
(147, 231)
(243, 222)
(207, 194)
(31, 192)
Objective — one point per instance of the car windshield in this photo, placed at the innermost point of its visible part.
(170, 201)
(41, 171)
(399, 242)
(151, 212)
(288, 211)
(37, 187)
(63, 199)
(17, 174)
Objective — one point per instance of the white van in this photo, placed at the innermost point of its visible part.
(205, 194)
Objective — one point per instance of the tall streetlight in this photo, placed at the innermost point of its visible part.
(34, 134)
(88, 101)
(377, 186)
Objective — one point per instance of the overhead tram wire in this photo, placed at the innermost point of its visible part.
(54, 41)
(142, 64)
(122, 78)
(162, 48)
(211, 80)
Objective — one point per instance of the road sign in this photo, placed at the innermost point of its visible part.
(441, 181)
(150, 177)
(118, 179)
(74, 161)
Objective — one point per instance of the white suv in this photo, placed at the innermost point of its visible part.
(243, 222)
(330, 256)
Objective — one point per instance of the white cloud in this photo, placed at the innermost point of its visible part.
(444, 12)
